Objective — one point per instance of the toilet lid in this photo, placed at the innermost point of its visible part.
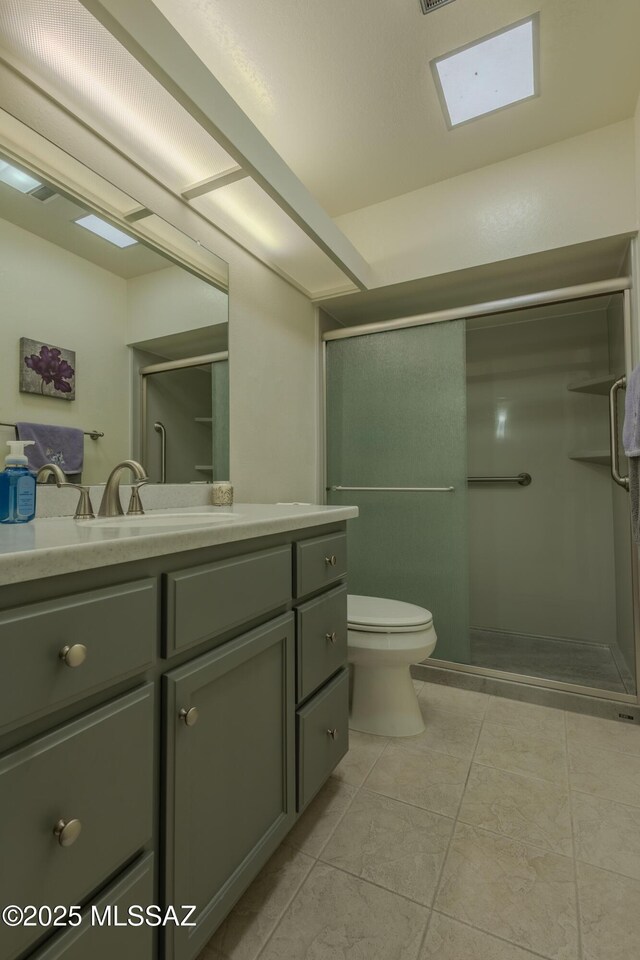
(380, 615)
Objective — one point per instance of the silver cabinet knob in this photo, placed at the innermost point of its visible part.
(331, 637)
(331, 561)
(67, 831)
(333, 733)
(74, 655)
(189, 717)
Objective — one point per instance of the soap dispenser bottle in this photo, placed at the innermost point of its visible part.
(17, 485)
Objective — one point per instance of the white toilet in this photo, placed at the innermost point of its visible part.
(384, 638)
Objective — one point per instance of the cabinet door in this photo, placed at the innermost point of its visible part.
(230, 792)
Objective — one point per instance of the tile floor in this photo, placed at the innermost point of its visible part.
(506, 831)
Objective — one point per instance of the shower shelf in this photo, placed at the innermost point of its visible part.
(600, 385)
(203, 419)
(592, 456)
(203, 468)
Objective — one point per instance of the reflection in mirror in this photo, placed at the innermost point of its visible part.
(127, 320)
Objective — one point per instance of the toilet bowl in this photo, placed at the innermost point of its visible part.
(384, 638)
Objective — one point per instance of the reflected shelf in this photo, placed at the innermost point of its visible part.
(598, 385)
(592, 456)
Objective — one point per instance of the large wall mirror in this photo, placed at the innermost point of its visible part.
(142, 334)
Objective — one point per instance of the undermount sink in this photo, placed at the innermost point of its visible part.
(161, 520)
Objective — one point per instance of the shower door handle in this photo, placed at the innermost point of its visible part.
(620, 384)
(159, 427)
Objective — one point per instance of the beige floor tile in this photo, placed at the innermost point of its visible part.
(321, 817)
(607, 834)
(426, 779)
(446, 731)
(614, 776)
(546, 722)
(336, 916)
(522, 808)
(609, 915)
(252, 920)
(603, 734)
(364, 750)
(512, 890)
(508, 747)
(395, 845)
(468, 702)
(449, 940)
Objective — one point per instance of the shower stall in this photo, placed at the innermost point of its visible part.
(483, 451)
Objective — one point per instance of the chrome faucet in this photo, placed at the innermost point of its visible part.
(110, 505)
(84, 509)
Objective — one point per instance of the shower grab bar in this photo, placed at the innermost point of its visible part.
(620, 384)
(524, 479)
(401, 489)
(159, 427)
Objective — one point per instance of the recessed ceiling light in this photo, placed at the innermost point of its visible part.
(105, 230)
(18, 179)
(489, 74)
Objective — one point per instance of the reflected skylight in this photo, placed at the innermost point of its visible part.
(105, 230)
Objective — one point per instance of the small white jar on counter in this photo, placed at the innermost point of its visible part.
(222, 493)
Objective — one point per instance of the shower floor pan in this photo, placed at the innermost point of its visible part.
(551, 658)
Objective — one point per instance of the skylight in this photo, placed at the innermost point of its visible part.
(105, 230)
(18, 179)
(488, 74)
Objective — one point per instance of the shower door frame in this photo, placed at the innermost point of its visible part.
(600, 288)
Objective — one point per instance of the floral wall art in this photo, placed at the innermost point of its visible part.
(47, 370)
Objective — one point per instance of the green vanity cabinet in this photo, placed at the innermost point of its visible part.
(163, 723)
(230, 773)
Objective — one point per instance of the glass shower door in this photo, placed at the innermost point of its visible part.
(396, 418)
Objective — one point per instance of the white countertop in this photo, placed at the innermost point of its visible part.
(57, 545)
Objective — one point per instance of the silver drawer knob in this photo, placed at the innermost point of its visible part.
(73, 656)
(67, 831)
(332, 637)
(189, 717)
(331, 561)
(333, 733)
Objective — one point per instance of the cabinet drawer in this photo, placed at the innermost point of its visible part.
(106, 942)
(319, 562)
(208, 600)
(117, 626)
(321, 640)
(318, 751)
(96, 770)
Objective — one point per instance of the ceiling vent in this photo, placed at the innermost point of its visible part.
(429, 5)
(43, 193)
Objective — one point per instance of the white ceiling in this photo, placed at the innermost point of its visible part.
(343, 90)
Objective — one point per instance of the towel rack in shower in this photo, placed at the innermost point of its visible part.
(94, 434)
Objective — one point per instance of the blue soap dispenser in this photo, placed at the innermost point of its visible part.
(17, 485)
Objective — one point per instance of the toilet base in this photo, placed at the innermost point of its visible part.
(384, 701)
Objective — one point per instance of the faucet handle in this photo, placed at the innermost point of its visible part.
(135, 507)
(84, 509)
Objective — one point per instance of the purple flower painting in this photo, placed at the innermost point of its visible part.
(47, 370)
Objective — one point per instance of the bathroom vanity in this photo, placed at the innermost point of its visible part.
(171, 699)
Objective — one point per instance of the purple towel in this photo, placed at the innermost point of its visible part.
(61, 445)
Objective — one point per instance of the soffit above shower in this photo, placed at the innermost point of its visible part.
(65, 51)
(344, 92)
(549, 270)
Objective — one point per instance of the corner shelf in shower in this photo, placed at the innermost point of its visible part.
(599, 385)
(592, 456)
(203, 468)
(203, 419)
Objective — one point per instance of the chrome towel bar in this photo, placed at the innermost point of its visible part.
(401, 489)
(524, 479)
(94, 434)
